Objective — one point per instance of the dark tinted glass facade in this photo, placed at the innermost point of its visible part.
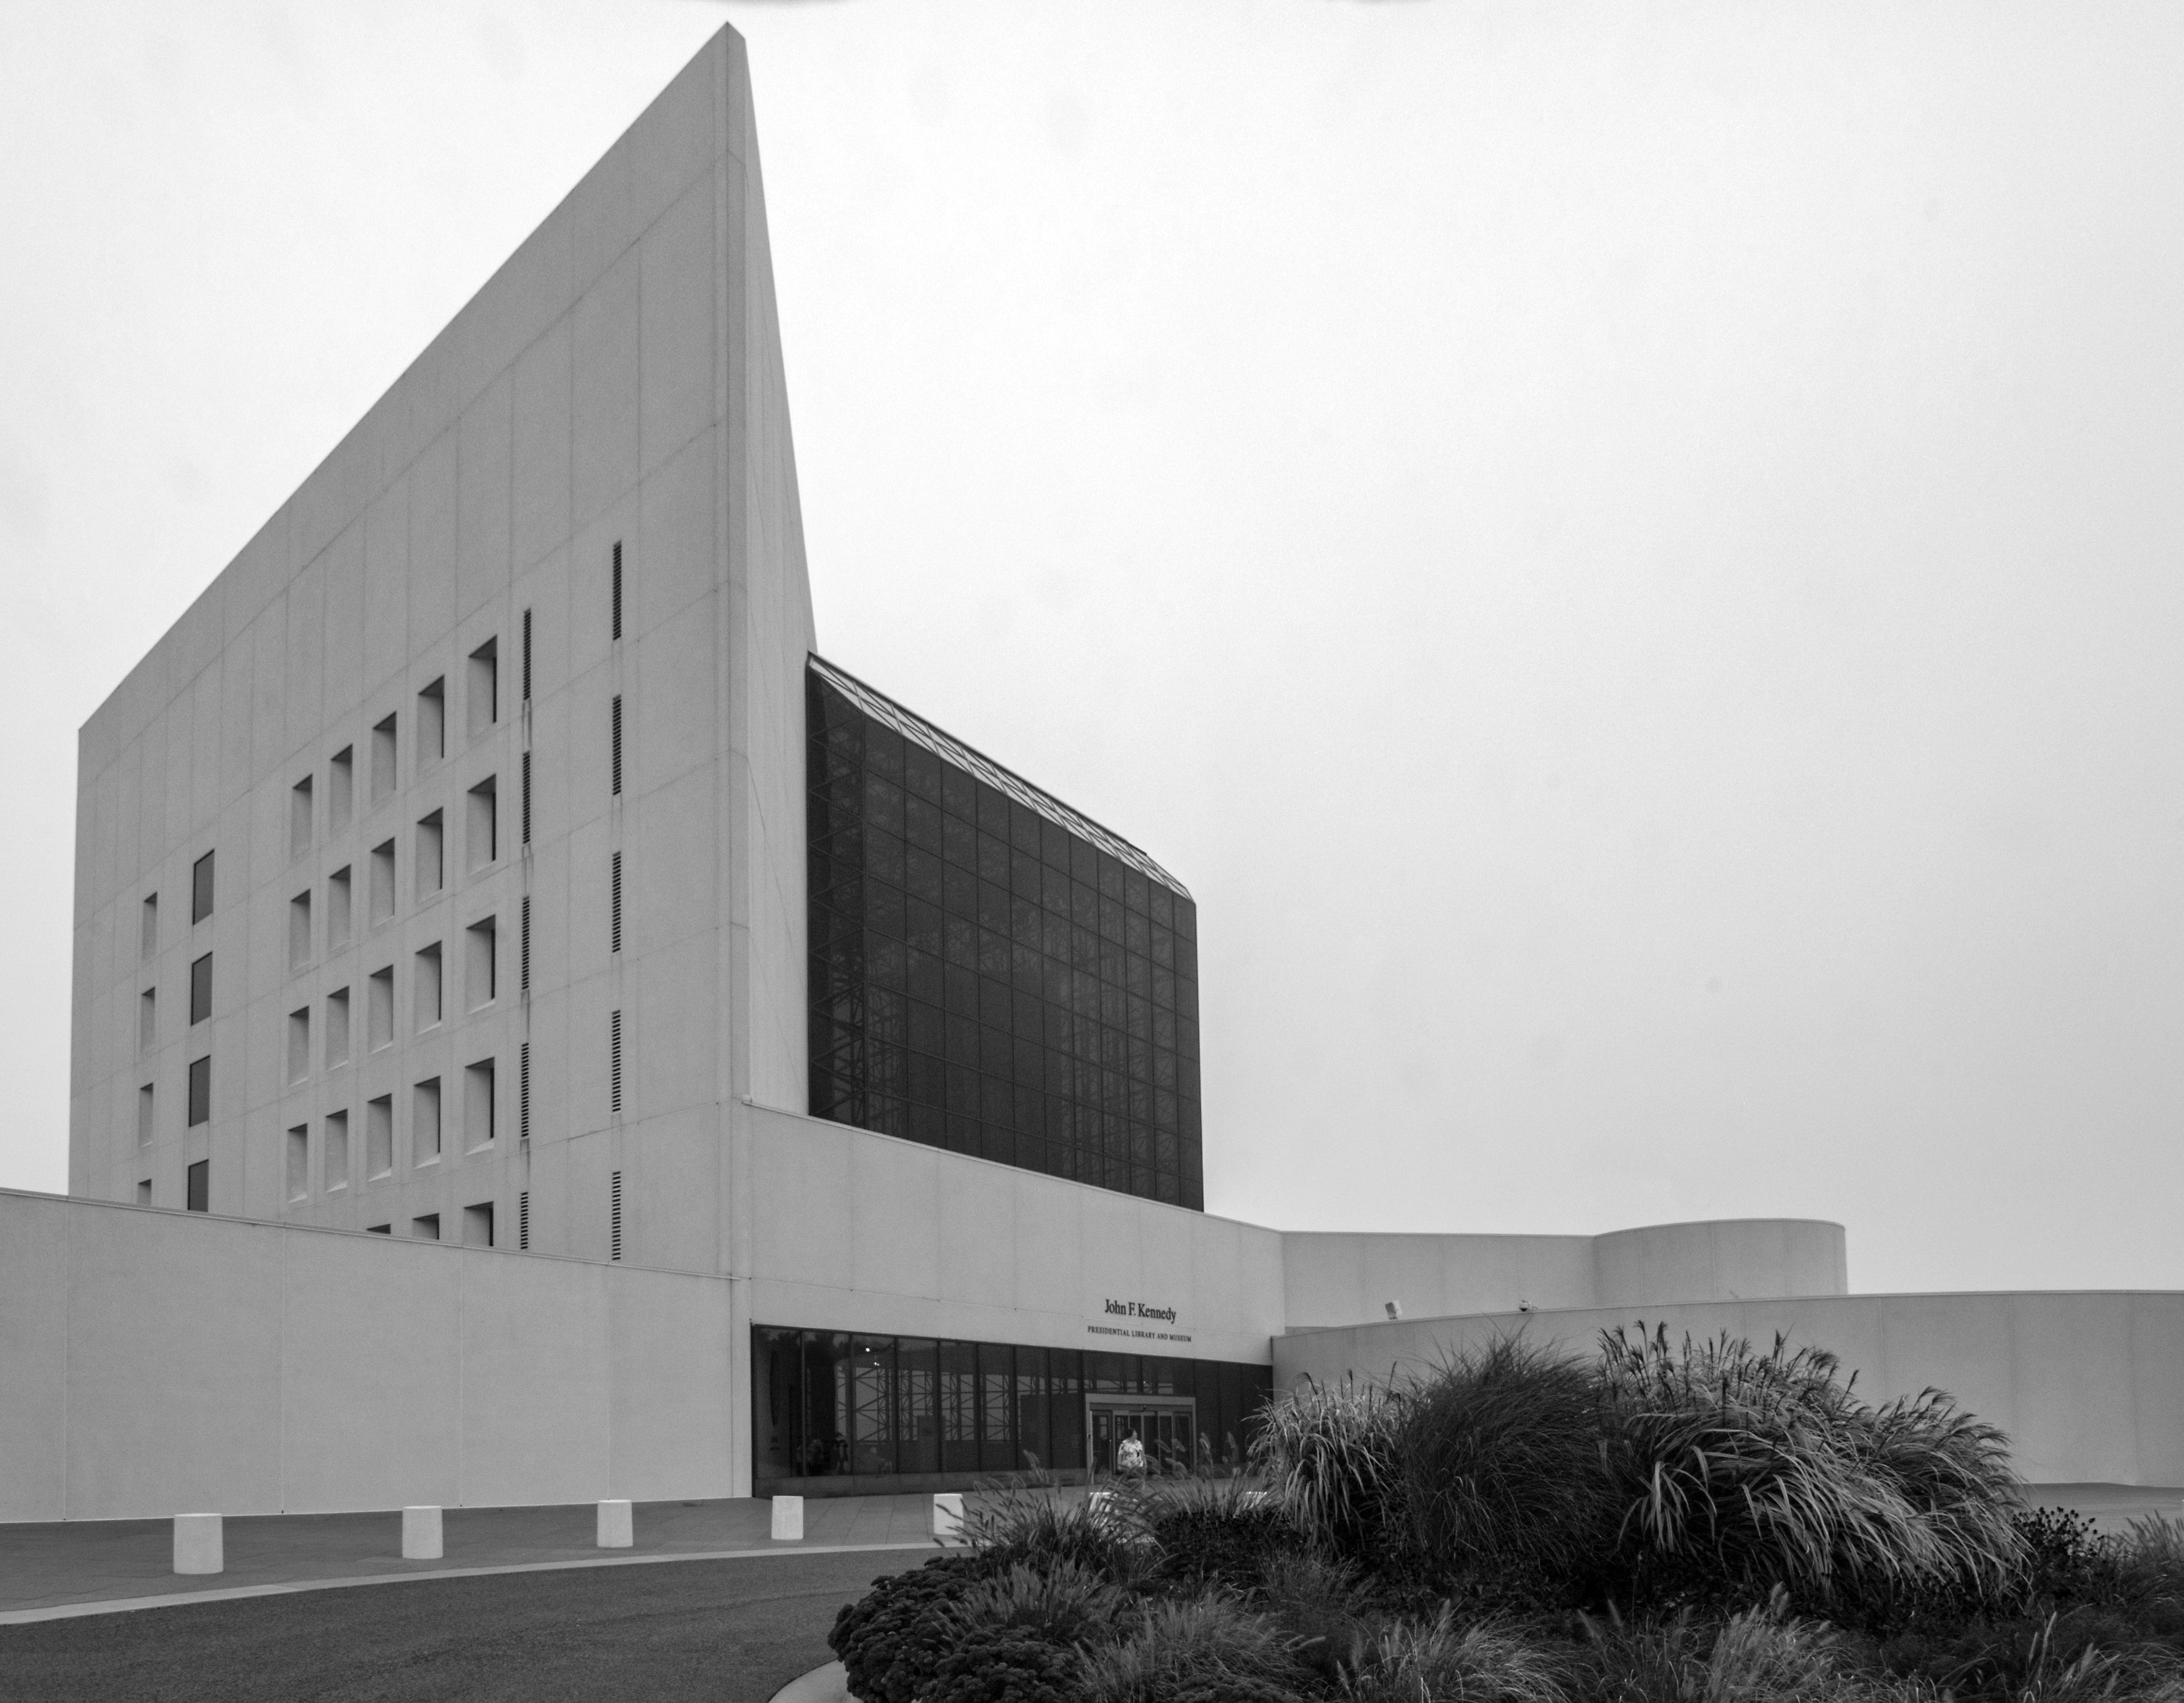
(829, 1406)
(991, 972)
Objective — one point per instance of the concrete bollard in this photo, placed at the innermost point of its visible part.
(948, 1516)
(199, 1548)
(788, 1519)
(420, 1534)
(617, 1529)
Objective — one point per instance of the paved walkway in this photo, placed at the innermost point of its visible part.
(116, 1562)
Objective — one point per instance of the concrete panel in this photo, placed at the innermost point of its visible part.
(541, 447)
(483, 486)
(604, 460)
(174, 1365)
(535, 1374)
(432, 545)
(371, 1374)
(671, 1348)
(677, 310)
(895, 1201)
(34, 1280)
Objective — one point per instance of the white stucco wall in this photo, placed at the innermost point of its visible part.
(853, 1231)
(1349, 1278)
(2089, 1384)
(159, 1362)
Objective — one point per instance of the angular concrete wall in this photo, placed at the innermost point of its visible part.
(2089, 1385)
(157, 1362)
(853, 1231)
(1341, 1278)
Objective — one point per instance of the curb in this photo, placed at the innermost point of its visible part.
(68, 1611)
(826, 1684)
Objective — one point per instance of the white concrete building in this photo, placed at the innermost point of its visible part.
(488, 859)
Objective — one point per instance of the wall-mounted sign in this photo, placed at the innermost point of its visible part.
(1148, 1320)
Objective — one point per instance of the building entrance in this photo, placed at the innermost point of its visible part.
(1168, 1426)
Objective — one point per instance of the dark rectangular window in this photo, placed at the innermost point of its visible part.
(615, 595)
(614, 744)
(200, 1099)
(201, 888)
(201, 989)
(830, 1405)
(1029, 995)
(198, 1196)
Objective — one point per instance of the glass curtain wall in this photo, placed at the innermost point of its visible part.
(827, 1404)
(991, 972)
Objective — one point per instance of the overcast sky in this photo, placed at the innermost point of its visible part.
(1629, 557)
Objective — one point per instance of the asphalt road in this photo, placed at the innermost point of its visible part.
(725, 1632)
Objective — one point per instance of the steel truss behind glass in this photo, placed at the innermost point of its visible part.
(991, 972)
(832, 1405)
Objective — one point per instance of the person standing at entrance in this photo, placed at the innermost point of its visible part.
(1130, 1458)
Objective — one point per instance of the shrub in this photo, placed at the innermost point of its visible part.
(991, 1663)
(1761, 1656)
(1035, 1521)
(1062, 1603)
(1498, 1464)
(1209, 1648)
(1738, 1471)
(1329, 1456)
(1210, 1530)
(893, 1639)
(1437, 1661)
(1322, 1608)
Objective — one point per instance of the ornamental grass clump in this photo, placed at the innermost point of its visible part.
(1499, 1490)
(1736, 1471)
(1440, 1660)
(1329, 1456)
(1211, 1647)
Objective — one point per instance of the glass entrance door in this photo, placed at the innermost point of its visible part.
(1165, 1426)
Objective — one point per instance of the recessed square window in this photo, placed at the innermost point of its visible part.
(484, 691)
(379, 1138)
(478, 1106)
(200, 1109)
(380, 1015)
(147, 928)
(299, 931)
(299, 1045)
(432, 724)
(341, 789)
(148, 1020)
(480, 971)
(484, 824)
(426, 1227)
(300, 1162)
(200, 989)
(144, 1115)
(144, 1192)
(432, 867)
(383, 760)
(337, 1027)
(382, 882)
(477, 1225)
(340, 917)
(424, 998)
(335, 1163)
(425, 1123)
(197, 1188)
(201, 889)
(299, 817)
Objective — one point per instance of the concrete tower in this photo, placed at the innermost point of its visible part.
(442, 868)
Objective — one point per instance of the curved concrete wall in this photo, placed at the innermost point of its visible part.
(2089, 1384)
(1343, 1278)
